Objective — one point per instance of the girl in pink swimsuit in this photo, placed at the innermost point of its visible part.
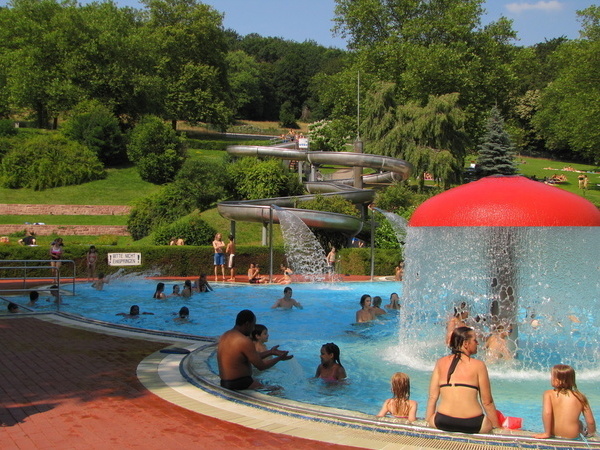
(331, 368)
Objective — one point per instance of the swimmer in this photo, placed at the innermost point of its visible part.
(331, 368)
(134, 313)
(286, 302)
(496, 345)
(54, 291)
(183, 316)
(236, 355)
(100, 282)
(202, 284)
(175, 292)
(563, 405)
(160, 291)
(400, 406)
(376, 309)
(260, 336)
(457, 320)
(33, 298)
(13, 308)
(394, 302)
(364, 314)
(187, 289)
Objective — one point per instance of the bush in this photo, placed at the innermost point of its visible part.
(47, 161)
(7, 128)
(399, 198)
(202, 182)
(95, 126)
(192, 229)
(156, 149)
(287, 118)
(251, 178)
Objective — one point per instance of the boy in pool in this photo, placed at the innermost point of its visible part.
(563, 405)
(100, 282)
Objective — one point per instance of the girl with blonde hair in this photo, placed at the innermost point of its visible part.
(400, 406)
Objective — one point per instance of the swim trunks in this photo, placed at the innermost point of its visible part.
(231, 263)
(239, 384)
(448, 423)
(219, 259)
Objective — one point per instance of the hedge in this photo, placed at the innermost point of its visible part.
(189, 260)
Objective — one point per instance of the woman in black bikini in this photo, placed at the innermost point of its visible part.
(462, 385)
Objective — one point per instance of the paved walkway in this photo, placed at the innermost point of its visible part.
(67, 388)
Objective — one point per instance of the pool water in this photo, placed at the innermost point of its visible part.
(370, 353)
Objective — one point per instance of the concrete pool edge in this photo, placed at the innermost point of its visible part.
(163, 375)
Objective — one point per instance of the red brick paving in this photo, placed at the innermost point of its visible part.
(65, 388)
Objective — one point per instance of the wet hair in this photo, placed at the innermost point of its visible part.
(187, 284)
(401, 389)
(258, 330)
(244, 316)
(459, 336)
(377, 301)
(34, 295)
(175, 288)
(564, 381)
(160, 287)
(132, 310)
(363, 298)
(184, 312)
(331, 348)
(287, 289)
(12, 307)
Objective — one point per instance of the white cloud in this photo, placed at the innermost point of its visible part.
(552, 5)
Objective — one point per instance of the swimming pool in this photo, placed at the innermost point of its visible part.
(370, 352)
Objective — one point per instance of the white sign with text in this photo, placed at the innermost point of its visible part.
(124, 259)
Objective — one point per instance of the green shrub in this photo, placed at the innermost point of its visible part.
(192, 229)
(7, 128)
(156, 149)
(400, 198)
(95, 126)
(252, 178)
(287, 116)
(47, 161)
(202, 182)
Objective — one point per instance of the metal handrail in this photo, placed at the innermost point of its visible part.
(23, 264)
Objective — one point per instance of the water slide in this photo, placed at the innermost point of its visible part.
(261, 211)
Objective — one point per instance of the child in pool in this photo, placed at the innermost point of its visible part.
(331, 368)
(563, 405)
(260, 336)
(400, 406)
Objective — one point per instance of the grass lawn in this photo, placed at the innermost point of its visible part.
(120, 187)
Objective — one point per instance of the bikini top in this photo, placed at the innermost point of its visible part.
(451, 369)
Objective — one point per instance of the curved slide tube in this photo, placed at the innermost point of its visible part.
(261, 211)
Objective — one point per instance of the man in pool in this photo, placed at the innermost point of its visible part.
(236, 355)
(286, 302)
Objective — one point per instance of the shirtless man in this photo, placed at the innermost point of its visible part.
(236, 355)
(286, 302)
(496, 345)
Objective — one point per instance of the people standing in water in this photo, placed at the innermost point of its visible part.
(236, 355)
(186, 292)
(286, 302)
(33, 298)
(563, 405)
(457, 320)
(176, 291)
(56, 252)
(202, 285)
(364, 314)
(91, 259)
(394, 302)
(219, 256)
(400, 406)
(160, 291)
(100, 282)
(331, 259)
(230, 251)
(496, 345)
(376, 309)
(462, 386)
(331, 368)
(183, 315)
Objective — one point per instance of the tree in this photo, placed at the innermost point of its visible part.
(569, 112)
(495, 153)
(95, 126)
(244, 81)
(156, 150)
(430, 136)
(191, 46)
(250, 178)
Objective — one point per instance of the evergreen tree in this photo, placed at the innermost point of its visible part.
(496, 155)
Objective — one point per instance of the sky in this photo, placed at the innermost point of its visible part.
(300, 20)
